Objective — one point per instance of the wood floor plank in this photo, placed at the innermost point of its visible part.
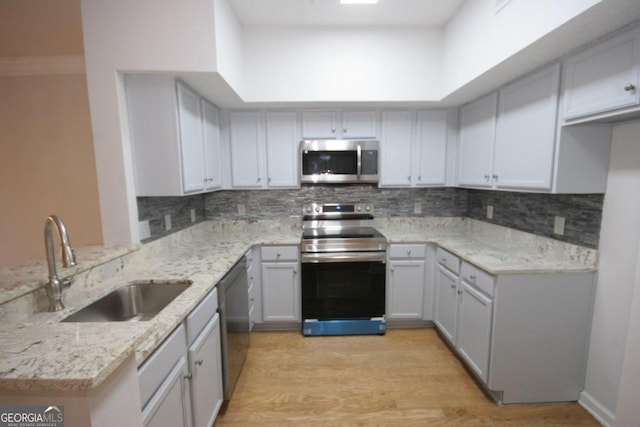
(407, 377)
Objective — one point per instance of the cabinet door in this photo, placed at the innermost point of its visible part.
(477, 134)
(280, 292)
(320, 125)
(246, 164)
(205, 361)
(170, 405)
(598, 79)
(446, 303)
(431, 148)
(405, 289)
(358, 124)
(211, 137)
(525, 131)
(396, 138)
(474, 329)
(282, 150)
(191, 144)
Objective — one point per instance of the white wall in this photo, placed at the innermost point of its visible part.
(478, 38)
(229, 45)
(619, 246)
(289, 64)
(627, 409)
(141, 35)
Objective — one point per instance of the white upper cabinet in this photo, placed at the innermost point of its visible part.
(212, 149)
(430, 151)
(396, 140)
(603, 79)
(521, 146)
(246, 150)
(477, 136)
(191, 146)
(264, 156)
(414, 148)
(525, 131)
(359, 124)
(171, 136)
(336, 125)
(282, 149)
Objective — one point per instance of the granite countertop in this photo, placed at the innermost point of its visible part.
(44, 355)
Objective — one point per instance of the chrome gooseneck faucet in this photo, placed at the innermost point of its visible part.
(54, 285)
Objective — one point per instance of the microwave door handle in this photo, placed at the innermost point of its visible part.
(359, 171)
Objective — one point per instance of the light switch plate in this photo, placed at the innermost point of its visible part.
(417, 208)
(167, 222)
(193, 215)
(490, 212)
(558, 225)
(242, 211)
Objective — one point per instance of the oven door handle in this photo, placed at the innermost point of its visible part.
(308, 258)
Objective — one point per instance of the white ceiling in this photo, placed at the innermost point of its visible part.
(332, 13)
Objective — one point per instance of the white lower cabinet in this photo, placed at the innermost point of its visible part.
(181, 382)
(473, 341)
(205, 365)
(405, 282)
(280, 284)
(170, 404)
(524, 336)
(446, 307)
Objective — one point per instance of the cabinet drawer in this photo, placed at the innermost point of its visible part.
(201, 315)
(448, 260)
(280, 253)
(478, 278)
(156, 368)
(417, 251)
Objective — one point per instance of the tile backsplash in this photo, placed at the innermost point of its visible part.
(529, 212)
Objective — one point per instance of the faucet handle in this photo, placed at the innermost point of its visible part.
(66, 283)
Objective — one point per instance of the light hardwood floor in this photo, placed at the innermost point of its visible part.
(406, 378)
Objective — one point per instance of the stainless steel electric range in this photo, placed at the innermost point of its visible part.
(343, 271)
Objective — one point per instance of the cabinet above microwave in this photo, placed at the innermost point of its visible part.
(339, 161)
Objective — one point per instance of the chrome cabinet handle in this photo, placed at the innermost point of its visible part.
(453, 286)
(630, 87)
(393, 269)
(409, 178)
(460, 292)
(495, 177)
(199, 362)
(344, 130)
(419, 177)
(487, 177)
(188, 376)
(409, 253)
(472, 278)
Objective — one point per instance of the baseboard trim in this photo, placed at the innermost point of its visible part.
(597, 409)
(42, 65)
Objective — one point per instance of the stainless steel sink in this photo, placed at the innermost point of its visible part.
(137, 301)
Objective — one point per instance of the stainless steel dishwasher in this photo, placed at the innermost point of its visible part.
(233, 304)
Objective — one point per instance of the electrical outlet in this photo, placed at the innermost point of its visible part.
(558, 225)
(193, 215)
(144, 230)
(417, 208)
(490, 212)
(167, 222)
(242, 211)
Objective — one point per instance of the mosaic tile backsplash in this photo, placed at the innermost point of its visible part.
(529, 212)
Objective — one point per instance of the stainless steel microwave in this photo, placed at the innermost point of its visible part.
(339, 161)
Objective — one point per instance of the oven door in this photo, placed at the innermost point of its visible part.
(341, 286)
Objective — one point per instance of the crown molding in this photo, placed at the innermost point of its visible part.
(42, 65)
